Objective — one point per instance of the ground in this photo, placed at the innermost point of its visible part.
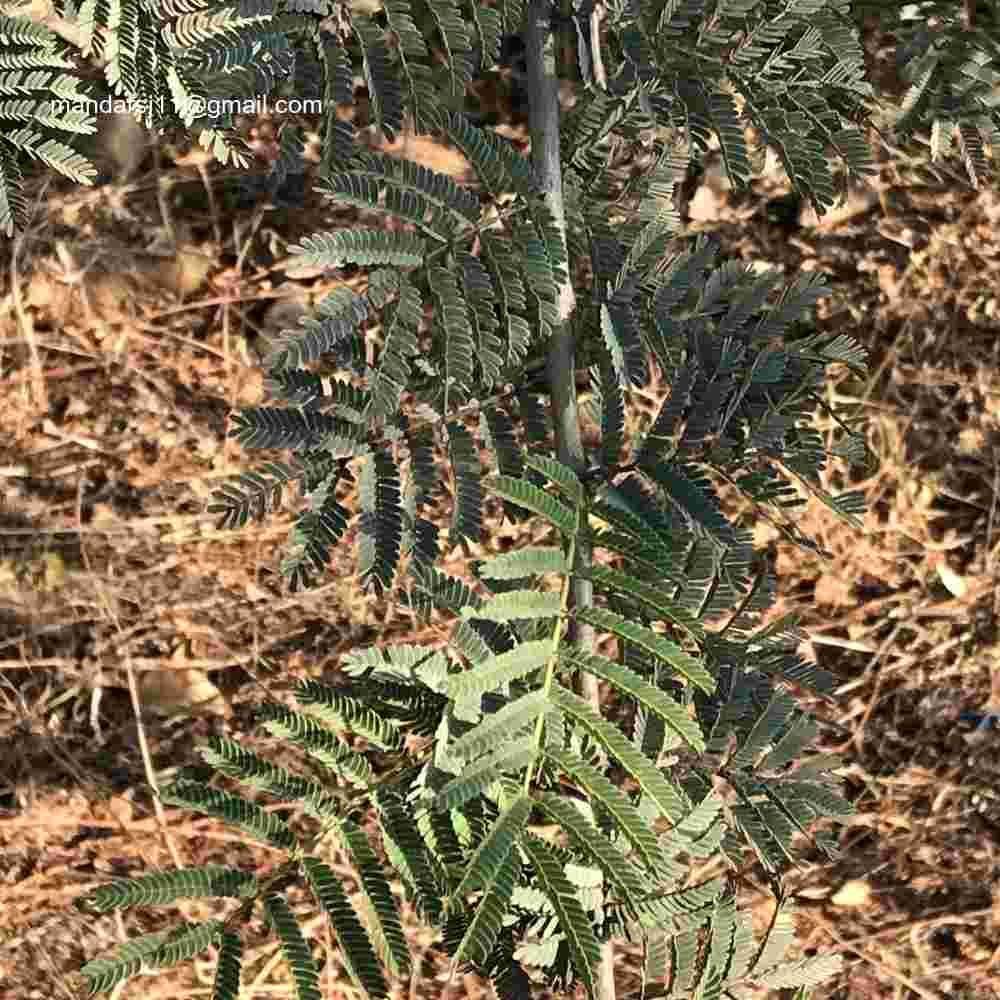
(120, 600)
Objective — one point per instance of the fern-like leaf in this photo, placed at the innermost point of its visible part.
(493, 851)
(245, 816)
(318, 742)
(670, 653)
(226, 983)
(359, 246)
(670, 800)
(635, 829)
(381, 522)
(162, 888)
(505, 724)
(340, 711)
(530, 497)
(475, 778)
(467, 512)
(484, 928)
(412, 857)
(160, 949)
(573, 922)
(500, 670)
(516, 605)
(618, 870)
(294, 948)
(652, 699)
(355, 947)
(383, 915)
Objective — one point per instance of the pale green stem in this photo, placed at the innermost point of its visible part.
(550, 667)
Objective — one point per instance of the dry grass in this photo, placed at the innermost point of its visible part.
(121, 604)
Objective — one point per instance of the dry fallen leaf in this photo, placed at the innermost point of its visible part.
(181, 692)
(121, 809)
(55, 571)
(856, 892)
(955, 585)
(186, 272)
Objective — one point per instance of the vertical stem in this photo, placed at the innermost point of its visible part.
(543, 119)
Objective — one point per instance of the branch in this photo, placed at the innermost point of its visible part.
(543, 120)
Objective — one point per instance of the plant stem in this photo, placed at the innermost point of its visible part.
(543, 120)
(550, 670)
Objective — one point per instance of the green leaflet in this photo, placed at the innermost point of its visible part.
(296, 952)
(247, 816)
(500, 670)
(317, 741)
(408, 851)
(682, 909)
(226, 985)
(655, 599)
(341, 711)
(804, 972)
(510, 758)
(360, 246)
(630, 684)
(161, 888)
(481, 935)
(230, 758)
(670, 801)
(629, 821)
(522, 493)
(355, 947)
(495, 847)
(383, 914)
(720, 948)
(618, 870)
(501, 726)
(573, 922)
(517, 604)
(160, 949)
(532, 560)
(561, 475)
(670, 653)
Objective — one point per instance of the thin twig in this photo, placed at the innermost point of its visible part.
(886, 970)
(147, 763)
(213, 205)
(26, 328)
(221, 300)
(137, 663)
(597, 59)
(164, 185)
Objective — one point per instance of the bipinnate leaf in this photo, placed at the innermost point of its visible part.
(355, 947)
(584, 948)
(161, 888)
(297, 954)
(663, 649)
(226, 984)
(246, 816)
(495, 847)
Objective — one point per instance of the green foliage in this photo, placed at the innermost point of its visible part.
(703, 69)
(950, 69)
(42, 105)
(164, 887)
(459, 819)
(526, 822)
